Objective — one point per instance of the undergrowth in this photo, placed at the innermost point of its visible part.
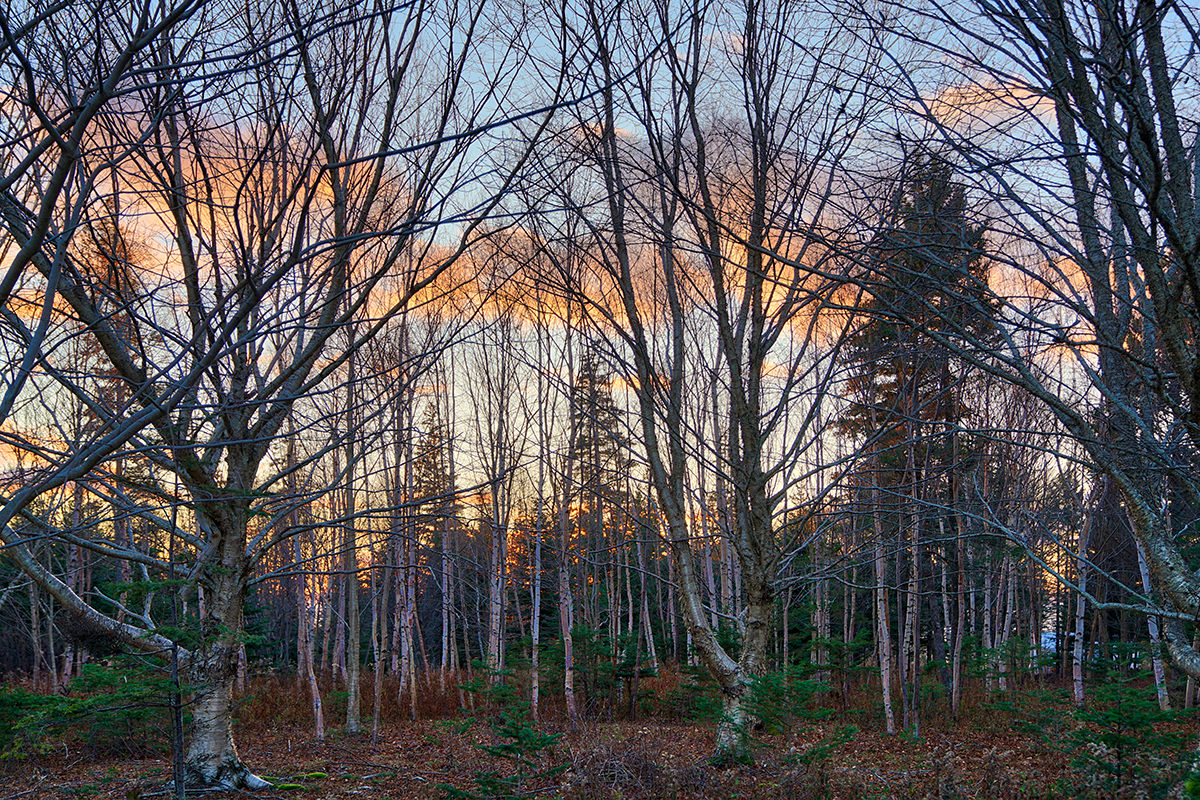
(116, 706)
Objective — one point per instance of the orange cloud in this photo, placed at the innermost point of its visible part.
(987, 102)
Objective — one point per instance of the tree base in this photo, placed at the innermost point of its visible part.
(225, 773)
(733, 739)
(733, 747)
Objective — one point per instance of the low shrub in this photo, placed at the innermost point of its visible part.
(117, 706)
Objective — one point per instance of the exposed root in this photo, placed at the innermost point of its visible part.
(228, 773)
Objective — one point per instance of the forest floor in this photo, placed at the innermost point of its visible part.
(639, 759)
(840, 753)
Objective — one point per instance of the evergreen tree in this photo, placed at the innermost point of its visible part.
(600, 447)
(433, 487)
(930, 288)
(910, 393)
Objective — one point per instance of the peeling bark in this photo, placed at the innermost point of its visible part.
(212, 760)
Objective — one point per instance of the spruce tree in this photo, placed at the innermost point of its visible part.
(910, 392)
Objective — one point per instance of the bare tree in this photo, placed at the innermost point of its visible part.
(291, 177)
(683, 216)
(1097, 237)
(501, 437)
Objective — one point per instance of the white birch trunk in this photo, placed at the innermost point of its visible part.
(1081, 611)
(496, 588)
(1160, 680)
(883, 640)
(306, 640)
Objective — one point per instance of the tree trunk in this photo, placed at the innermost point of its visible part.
(52, 651)
(649, 628)
(378, 607)
(1081, 607)
(731, 732)
(327, 626)
(944, 631)
(849, 618)
(1189, 690)
(353, 665)
(447, 607)
(339, 643)
(786, 613)
(1160, 681)
(306, 639)
(912, 632)
(35, 633)
(449, 645)
(496, 587)
(960, 627)
(566, 622)
(411, 629)
(212, 760)
(1009, 575)
(350, 563)
(883, 640)
(988, 640)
